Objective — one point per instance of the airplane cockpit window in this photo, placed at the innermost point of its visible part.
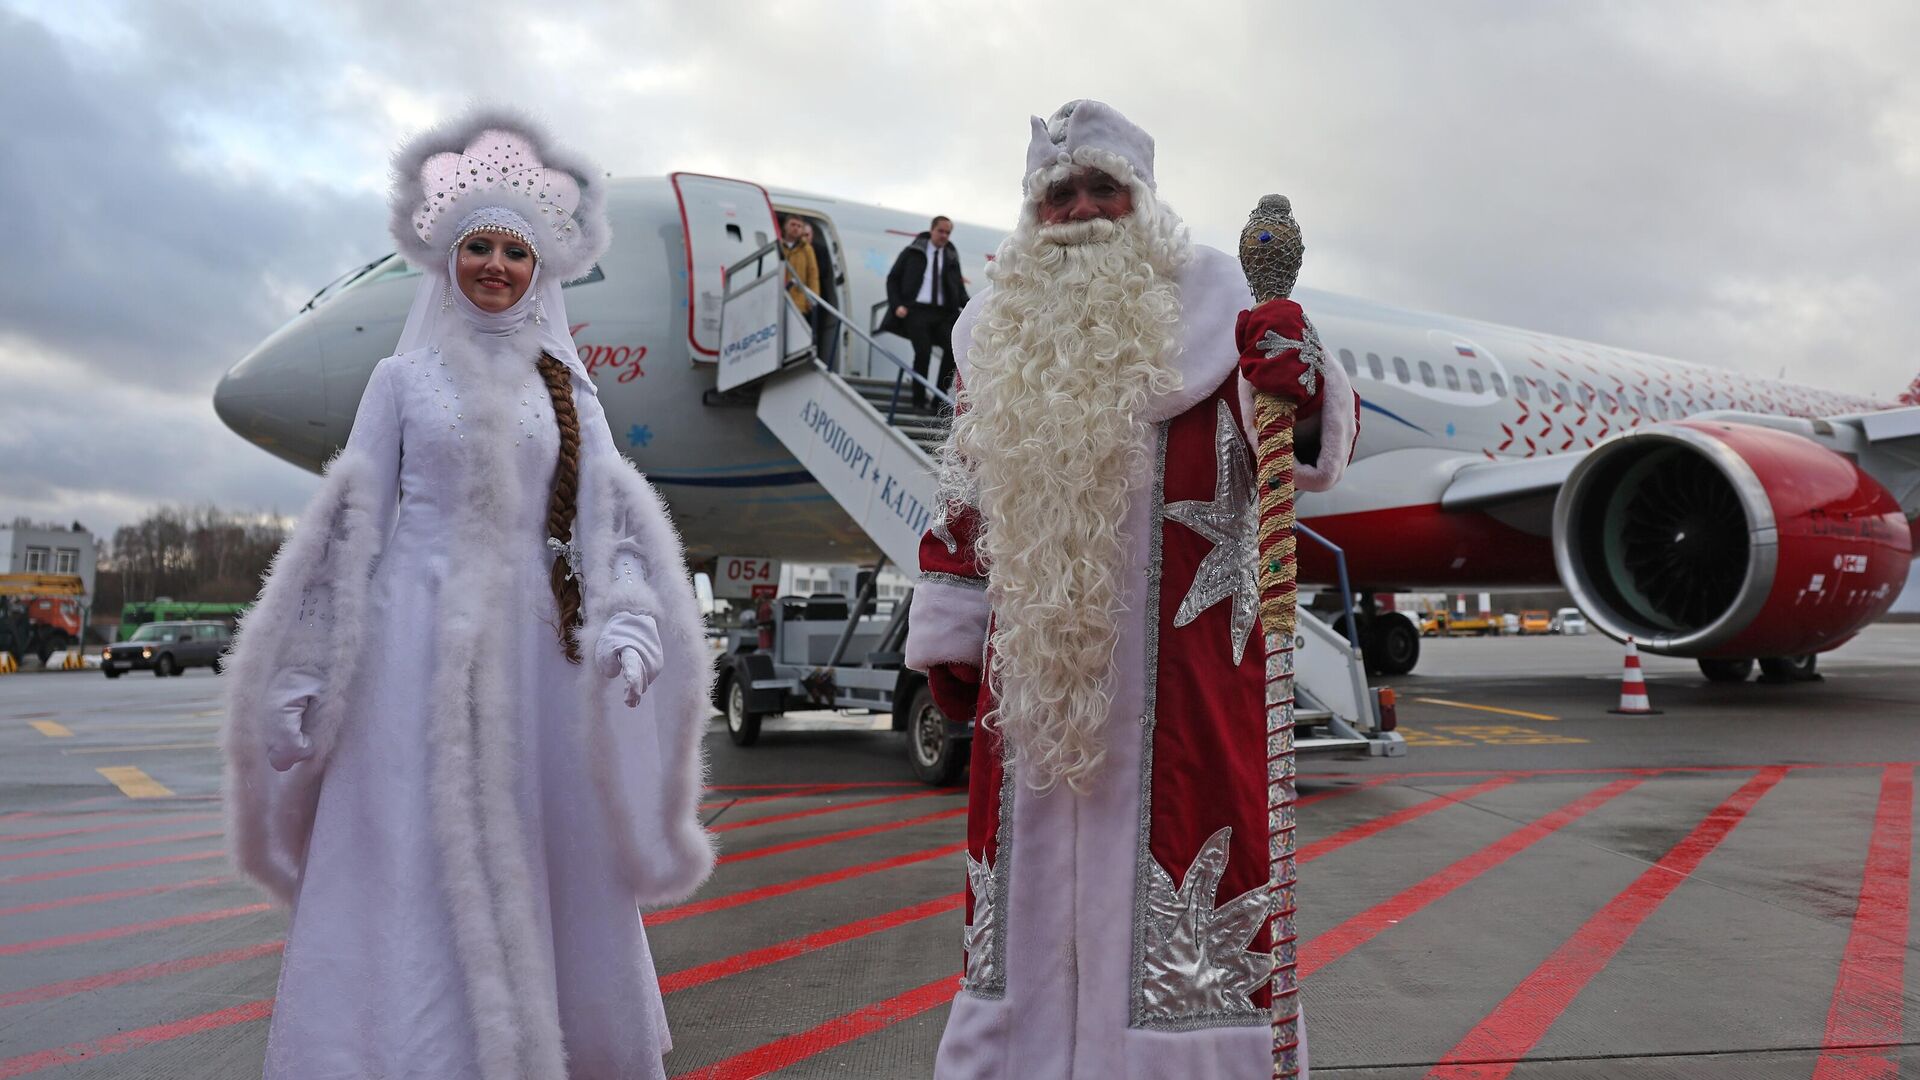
(1374, 368)
(1400, 369)
(1346, 361)
(1426, 374)
(1474, 382)
(1453, 377)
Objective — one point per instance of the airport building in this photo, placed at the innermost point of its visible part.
(34, 549)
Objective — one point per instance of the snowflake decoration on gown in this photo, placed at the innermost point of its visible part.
(1198, 965)
(1231, 521)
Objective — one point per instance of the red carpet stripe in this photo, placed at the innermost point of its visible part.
(1493, 1049)
(135, 1040)
(812, 881)
(131, 929)
(1863, 1023)
(118, 894)
(137, 864)
(818, 810)
(800, 946)
(834, 838)
(1364, 927)
(1330, 844)
(109, 845)
(110, 826)
(69, 987)
(798, 1047)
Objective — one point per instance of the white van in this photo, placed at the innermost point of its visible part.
(1568, 620)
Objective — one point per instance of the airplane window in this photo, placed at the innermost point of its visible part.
(1373, 366)
(1400, 369)
(1426, 373)
(1607, 400)
(1453, 377)
(1474, 383)
(1640, 400)
(1346, 361)
(1519, 389)
(1560, 391)
(1586, 394)
(1660, 408)
(1499, 384)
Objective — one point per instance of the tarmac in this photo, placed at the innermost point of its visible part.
(1539, 889)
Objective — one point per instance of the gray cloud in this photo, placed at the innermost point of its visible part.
(1734, 183)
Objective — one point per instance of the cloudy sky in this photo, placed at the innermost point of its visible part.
(1733, 183)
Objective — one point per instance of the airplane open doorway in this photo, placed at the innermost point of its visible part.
(828, 335)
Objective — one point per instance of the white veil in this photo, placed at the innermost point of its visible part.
(438, 305)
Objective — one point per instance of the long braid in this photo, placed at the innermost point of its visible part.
(561, 508)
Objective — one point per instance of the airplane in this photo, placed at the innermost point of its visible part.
(1703, 512)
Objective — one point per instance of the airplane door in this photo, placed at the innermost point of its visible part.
(724, 221)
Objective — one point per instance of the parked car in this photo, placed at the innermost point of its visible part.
(1568, 621)
(168, 648)
(1441, 624)
(1536, 622)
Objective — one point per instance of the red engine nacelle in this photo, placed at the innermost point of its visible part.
(1715, 539)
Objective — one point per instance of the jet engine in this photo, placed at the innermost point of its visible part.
(1727, 540)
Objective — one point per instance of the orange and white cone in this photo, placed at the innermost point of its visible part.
(1633, 687)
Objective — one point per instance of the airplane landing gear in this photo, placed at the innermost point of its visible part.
(1389, 641)
(1786, 669)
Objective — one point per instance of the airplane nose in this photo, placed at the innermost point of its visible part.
(275, 397)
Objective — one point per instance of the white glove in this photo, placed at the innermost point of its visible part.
(287, 741)
(635, 672)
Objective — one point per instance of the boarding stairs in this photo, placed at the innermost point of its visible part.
(873, 451)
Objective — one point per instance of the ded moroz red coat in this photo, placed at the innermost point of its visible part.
(1121, 934)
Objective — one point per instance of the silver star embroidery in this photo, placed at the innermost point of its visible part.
(1198, 963)
(1272, 344)
(1230, 521)
(980, 938)
(945, 535)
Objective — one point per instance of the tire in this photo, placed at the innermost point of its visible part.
(1790, 668)
(165, 666)
(936, 755)
(219, 665)
(1393, 644)
(1726, 671)
(112, 674)
(743, 724)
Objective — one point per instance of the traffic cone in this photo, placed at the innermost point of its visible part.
(1633, 687)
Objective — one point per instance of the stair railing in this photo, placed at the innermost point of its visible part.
(905, 368)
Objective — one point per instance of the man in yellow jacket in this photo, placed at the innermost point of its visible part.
(799, 255)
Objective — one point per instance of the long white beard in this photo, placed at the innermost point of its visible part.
(1051, 443)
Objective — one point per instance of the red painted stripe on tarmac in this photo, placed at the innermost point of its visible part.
(834, 838)
(118, 894)
(1493, 1049)
(110, 845)
(22, 815)
(1329, 844)
(105, 980)
(1638, 770)
(715, 804)
(1863, 1023)
(812, 881)
(818, 810)
(131, 929)
(135, 1040)
(108, 827)
(1323, 796)
(136, 864)
(798, 1047)
(800, 946)
(1364, 927)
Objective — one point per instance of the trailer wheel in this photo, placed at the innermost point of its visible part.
(743, 724)
(937, 757)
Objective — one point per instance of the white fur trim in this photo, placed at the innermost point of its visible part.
(1335, 425)
(948, 625)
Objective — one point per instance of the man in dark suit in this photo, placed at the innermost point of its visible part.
(925, 292)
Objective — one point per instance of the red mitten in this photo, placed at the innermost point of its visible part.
(1280, 354)
(956, 689)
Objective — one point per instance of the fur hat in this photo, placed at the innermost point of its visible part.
(497, 158)
(1088, 125)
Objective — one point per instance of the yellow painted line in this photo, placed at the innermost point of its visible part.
(51, 729)
(134, 783)
(158, 725)
(1485, 708)
(144, 749)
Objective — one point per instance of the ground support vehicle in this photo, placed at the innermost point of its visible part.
(40, 613)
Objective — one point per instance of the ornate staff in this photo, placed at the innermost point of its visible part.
(1281, 356)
